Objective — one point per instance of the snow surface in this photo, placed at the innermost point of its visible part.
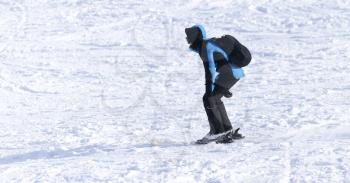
(107, 91)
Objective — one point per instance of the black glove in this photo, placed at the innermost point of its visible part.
(227, 94)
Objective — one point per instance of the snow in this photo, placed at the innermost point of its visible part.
(107, 91)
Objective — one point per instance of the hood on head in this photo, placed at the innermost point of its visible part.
(195, 36)
(195, 33)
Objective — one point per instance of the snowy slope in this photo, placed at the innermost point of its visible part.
(107, 91)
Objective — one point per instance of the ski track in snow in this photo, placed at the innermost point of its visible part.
(107, 91)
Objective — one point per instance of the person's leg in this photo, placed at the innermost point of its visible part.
(225, 121)
(224, 83)
(210, 115)
(213, 107)
(213, 103)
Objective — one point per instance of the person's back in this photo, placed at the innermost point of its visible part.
(222, 60)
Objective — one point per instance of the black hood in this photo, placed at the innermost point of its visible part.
(195, 36)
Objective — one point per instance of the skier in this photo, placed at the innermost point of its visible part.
(223, 59)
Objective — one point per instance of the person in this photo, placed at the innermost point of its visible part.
(223, 59)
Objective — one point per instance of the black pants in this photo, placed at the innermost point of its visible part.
(214, 107)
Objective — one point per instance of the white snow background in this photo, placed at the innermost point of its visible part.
(108, 91)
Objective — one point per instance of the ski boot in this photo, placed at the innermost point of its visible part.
(230, 137)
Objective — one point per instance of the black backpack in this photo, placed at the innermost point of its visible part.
(238, 54)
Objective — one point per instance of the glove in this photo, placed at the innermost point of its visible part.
(227, 94)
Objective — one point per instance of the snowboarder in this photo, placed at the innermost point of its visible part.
(223, 59)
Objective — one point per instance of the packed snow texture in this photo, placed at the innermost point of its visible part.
(108, 91)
